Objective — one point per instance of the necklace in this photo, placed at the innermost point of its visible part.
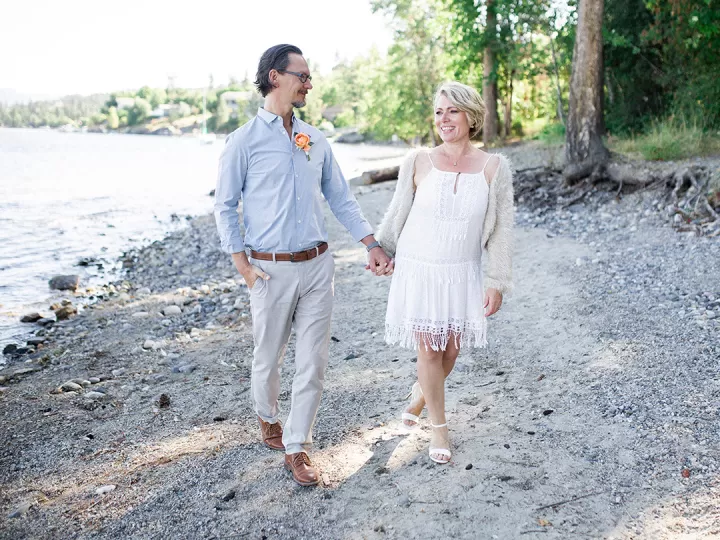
(455, 161)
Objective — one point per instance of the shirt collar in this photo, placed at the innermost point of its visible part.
(270, 117)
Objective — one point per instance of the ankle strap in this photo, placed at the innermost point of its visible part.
(438, 425)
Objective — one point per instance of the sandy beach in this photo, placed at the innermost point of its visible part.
(593, 413)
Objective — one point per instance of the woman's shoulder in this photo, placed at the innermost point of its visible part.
(499, 167)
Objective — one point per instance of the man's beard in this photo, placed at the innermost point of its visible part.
(298, 104)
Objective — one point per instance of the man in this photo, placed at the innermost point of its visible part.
(280, 166)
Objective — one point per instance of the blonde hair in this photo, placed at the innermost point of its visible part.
(468, 100)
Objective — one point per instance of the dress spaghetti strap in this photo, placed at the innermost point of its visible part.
(431, 161)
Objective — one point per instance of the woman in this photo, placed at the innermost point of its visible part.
(450, 203)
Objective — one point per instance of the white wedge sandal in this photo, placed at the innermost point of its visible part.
(442, 451)
(414, 395)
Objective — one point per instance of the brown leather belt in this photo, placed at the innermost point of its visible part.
(298, 256)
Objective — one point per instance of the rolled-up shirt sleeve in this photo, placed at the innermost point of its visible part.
(228, 192)
(341, 200)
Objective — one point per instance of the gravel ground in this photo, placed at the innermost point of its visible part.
(592, 414)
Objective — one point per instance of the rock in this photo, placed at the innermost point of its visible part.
(46, 321)
(105, 489)
(172, 310)
(65, 283)
(352, 137)
(94, 396)
(10, 349)
(143, 291)
(148, 344)
(118, 372)
(25, 371)
(228, 496)
(70, 387)
(186, 368)
(31, 317)
(94, 380)
(65, 312)
(140, 314)
(36, 341)
(163, 401)
(20, 510)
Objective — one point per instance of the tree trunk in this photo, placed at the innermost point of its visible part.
(490, 93)
(557, 81)
(584, 149)
(507, 119)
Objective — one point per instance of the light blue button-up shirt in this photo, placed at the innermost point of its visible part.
(282, 192)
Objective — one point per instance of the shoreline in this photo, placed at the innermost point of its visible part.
(579, 393)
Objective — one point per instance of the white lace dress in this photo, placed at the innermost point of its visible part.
(436, 292)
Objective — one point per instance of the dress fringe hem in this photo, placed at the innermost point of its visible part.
(437, 339)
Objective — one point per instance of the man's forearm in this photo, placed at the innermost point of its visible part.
(369, 239)
(241, 262)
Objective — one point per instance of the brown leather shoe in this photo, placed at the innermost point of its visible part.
(302, 469)
(272, 434)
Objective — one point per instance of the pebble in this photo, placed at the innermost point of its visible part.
(45, 321)
(94, 380)
(118, 372)
(140, 314)
(31, 317)
(228, 496)
(10, 349)
(20, 510)
(172, 310)
(105, 489)
(186, 368)
(149, 344)
(94, 395)
(143, 291)
(70, 387)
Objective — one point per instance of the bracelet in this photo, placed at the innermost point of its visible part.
(373, 245)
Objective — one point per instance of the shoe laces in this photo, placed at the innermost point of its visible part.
(302, 459)
(274, 430)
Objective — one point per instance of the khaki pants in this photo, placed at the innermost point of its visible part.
(301, 295)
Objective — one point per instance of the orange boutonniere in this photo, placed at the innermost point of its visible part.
(303, 142)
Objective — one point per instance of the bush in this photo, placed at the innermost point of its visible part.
(551, 134)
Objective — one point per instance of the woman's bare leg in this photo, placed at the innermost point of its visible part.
(449, 356)
(432, 382)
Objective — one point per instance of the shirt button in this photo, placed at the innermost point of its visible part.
(298, 198)
(297, 175)
(299, 220)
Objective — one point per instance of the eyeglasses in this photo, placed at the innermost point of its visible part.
(302, 76)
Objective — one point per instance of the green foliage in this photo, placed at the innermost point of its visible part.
(670, 139)
(113, 120)
(552, 134)
(139, 112)
(222, 115)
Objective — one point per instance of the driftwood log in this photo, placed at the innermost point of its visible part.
(376, 176)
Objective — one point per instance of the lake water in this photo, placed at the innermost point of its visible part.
(69, 196)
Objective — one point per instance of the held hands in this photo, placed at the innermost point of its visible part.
(493, 301)
(379, 263)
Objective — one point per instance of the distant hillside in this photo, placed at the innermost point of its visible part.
(8, 96)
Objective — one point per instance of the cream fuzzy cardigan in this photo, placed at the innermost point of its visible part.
(497, 237)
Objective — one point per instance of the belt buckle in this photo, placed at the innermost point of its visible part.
(292, 257)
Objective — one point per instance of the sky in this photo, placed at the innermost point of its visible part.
(53, 48)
